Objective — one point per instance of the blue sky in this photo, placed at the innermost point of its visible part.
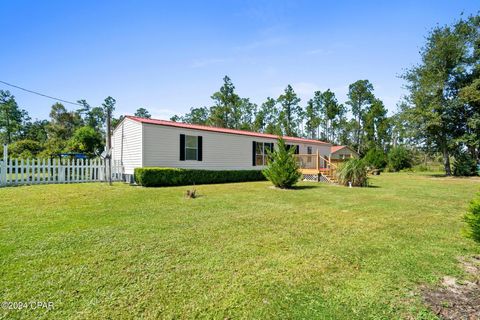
(170, 56)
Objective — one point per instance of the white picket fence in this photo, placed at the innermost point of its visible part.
(42, 171)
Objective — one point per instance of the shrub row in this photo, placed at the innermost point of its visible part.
(163, 177)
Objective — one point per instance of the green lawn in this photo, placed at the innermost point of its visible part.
(239, 251)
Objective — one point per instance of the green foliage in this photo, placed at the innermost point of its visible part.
(63, 123)
(11, 118)
(282, 170)
(442, 109)
(52, 147)
(376, 158)
(399, 158)
(291, 114)
(472, 218)
(36, 130)
(266, 119)
(85, 140)
(143, 113)
(226, 111)
(465, 165)
(25, 149)
(163, 177)
(353, 171)
(360, 95)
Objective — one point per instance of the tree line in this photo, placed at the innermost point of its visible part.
(66, 131)
(322, 117)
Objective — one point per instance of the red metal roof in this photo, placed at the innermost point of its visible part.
(221, 130)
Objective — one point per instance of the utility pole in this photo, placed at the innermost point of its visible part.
(108, 107)
(109, 146)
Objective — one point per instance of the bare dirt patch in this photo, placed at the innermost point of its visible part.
(454, 298)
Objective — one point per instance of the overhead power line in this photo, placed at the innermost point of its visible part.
(40, 94)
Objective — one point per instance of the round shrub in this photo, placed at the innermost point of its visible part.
(376, 158)
(353, 171)
(24, 149)
(464, 165)
(399, 158)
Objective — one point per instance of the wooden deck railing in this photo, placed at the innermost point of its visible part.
(316, 164)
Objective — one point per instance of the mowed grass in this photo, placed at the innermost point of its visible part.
(240, 250)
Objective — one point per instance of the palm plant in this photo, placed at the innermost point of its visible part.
(354, 172)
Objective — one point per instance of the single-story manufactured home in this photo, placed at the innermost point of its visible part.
(141, 142)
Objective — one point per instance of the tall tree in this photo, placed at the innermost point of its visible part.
(434, 106)
(143, 113)
(108, 107)
(332, 113)
(62, 122)
(226, 112)
(196, 116)
(360, 95)
(11, 117)
(312, 118)
(266, 118)
(291, 112)
(36, 130)
(248, 110)
(376, 126)
(92, 117)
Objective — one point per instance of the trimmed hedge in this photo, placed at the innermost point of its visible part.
(164, 177)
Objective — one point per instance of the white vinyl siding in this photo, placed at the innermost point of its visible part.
(127, 144)
(221, 151)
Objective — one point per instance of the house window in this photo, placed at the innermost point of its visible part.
(191, 148)
(295, 146)
(261, 152)
(309, 151)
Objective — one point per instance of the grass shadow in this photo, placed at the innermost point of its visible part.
(303, 187)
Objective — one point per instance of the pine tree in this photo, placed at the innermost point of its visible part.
(283, 170)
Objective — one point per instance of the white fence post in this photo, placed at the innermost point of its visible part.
(3, 167)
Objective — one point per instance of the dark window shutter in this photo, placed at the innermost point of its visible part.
(297, 149)
(254, 150)
(200, 148)
(182, 147)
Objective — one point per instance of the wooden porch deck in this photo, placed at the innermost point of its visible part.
(315, 167)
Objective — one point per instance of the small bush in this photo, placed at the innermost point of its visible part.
(163, 177)
(472, 218)
(464, 165)
(24, 149)
(376, 158)
(399, 158)
(282, 168)
(353, 171)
